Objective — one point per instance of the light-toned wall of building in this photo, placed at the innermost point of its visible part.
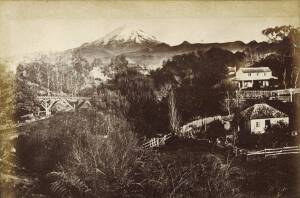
(253, 76)
(265, 83)
(276, 120)
(259, 125)
(248, 84)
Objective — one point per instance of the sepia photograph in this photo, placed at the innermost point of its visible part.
(149, 99)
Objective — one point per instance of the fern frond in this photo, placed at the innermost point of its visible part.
(66, 185)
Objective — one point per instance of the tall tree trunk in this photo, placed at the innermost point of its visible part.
(296, 80)
(173, 113)
(284, 78)
(48, 80)
(228, 103)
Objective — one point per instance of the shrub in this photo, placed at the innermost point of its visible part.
(183, 175)
(41, 150)
(277, 135)
(100, 159)
(215, 130)
(66, 184)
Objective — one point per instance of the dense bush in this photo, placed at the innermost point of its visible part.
(187, 174)
(138, 90)
(78, 160)
(215, 130)
(197, 77)
(275, 177)
(278, 135)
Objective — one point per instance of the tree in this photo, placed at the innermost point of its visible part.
(111, 101)
(287, 37)
(278, 135)
(278, 33)
(138, 90)
(174, 118)
(97, 62)
(196, 77)
(117, 65)
(25, 101)
(230, 102)
(6, 95)
(215, 130)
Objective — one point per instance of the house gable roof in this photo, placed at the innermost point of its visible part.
(255, 69)
(262, 111)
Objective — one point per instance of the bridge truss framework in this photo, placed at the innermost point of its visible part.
(72, 102)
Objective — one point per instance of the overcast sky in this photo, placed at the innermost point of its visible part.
(41, 26)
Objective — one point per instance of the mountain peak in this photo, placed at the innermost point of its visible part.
(126, 35)
(185, 43)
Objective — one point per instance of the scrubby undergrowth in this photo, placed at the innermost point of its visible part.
(70, 158)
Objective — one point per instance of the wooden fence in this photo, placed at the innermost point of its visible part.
(273, 152)
(157, 142)
(187, 128)
(253, 94)
(185, 131)
(281, 94)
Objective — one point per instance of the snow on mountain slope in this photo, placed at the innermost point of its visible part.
(126, 34)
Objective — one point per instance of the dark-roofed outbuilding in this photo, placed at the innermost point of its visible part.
(261, 116)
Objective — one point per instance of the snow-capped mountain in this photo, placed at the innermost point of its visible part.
(141, 48)
(144, 50)
(123, 37)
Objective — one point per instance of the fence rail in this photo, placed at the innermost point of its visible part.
(157, 142)
(185, 131)
(280, 94)
(187, 128)
(255, 93)
(274, 152)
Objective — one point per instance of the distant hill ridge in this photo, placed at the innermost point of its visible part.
(144, 49)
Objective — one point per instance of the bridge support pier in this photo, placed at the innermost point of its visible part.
(47, 104)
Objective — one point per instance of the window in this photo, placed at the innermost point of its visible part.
(267, 123)
(257, 124)
(257, 74)
(249, 74)
(265, 74)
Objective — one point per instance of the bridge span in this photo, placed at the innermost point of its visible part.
(72, 102)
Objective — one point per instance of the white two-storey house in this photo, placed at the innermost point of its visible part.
(254, 77)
